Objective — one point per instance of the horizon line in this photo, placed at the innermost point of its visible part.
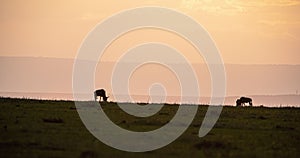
(283, 94)
(110, 61)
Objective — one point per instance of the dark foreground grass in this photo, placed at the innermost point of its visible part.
(40, 128)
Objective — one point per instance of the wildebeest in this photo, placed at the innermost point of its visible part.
(243, 100)
(101, 93)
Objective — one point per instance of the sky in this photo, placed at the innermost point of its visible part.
(256, 32)
(245, 32)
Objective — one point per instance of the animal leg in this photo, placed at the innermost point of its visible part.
(95, 96)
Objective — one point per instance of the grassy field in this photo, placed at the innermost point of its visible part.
(41, 128)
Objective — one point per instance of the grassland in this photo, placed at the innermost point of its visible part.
(43, 128)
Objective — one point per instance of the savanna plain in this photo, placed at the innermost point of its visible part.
(49, 128)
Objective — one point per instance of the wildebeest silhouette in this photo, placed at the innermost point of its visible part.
(243, 100)
(101, 93)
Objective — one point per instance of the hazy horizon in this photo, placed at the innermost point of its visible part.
(281, 100)
(111, 61)
(53, 76)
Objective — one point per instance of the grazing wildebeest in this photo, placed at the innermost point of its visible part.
(101, 93)
(243, 100)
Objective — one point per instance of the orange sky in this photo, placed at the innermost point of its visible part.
(252, 32)
(245, 32)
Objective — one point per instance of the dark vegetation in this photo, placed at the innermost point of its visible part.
(45, 128)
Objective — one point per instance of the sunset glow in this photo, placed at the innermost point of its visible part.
(259, 31)
(264, 33)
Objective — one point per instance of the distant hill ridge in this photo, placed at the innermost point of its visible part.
(285, 100)
(46, 75)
